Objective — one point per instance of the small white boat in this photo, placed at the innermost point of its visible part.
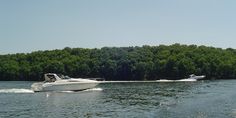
(55, 83)
(191, 78)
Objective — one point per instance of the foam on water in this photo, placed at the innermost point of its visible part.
(67, 91)
(16, 90)
(181, 80)
(94, 89)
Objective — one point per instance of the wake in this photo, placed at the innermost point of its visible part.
(92, 89)
(16, 90)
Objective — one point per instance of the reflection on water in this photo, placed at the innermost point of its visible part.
(186, 100)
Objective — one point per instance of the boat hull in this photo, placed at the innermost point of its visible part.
(77, 86)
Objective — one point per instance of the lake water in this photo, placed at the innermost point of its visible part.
(202, 99)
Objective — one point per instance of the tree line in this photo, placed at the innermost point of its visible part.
(122, 63)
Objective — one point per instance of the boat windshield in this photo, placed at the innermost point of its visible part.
(51, 78)
(64, 77)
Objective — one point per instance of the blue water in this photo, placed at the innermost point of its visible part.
(202, 99)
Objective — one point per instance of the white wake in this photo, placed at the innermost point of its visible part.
(181, 80)
(94, 89)
(16, 90)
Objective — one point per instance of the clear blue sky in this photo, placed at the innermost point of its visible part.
(31, 25)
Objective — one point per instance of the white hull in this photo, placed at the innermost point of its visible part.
(54, 83)
(197, 77)
(75, 86)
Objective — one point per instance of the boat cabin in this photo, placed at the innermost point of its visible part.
(51, 77)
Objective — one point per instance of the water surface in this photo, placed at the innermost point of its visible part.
(202, 99)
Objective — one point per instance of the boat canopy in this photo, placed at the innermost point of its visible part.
(51, 77)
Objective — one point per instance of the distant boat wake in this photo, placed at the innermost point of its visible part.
(192, 78)
(16, 90)
(181, 80)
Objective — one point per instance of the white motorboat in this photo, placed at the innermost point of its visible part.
(55, 83)
(191, 78)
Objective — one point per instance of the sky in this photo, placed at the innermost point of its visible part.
(32, 25)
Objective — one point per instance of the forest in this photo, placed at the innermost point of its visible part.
(122, 63)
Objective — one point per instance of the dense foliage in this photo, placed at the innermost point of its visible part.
(124, 63)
